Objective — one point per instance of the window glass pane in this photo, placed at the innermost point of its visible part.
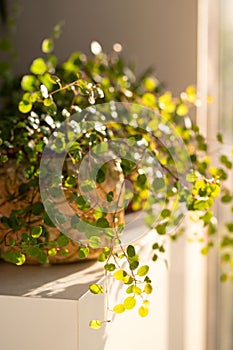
(225, 297)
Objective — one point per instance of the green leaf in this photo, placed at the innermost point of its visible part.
(25, 106)
(83, 252)
(52, 109)
(64, 252)
(131, 251)
(101, 175)
(143, 311)
(227, 198)
(110, 196)
(37, 208)
(25, 237)
(14, 257)
(219, 138)
(21, 259)
(129, 290)
(48, 101)
(223, 277)
(96, 288)
(155, 246)
(36, 231)
(38, 66)
(230, 226)
(150, 84)
(155, 257)
(102, 257)
(127, 166)
(47, 220)
(94, 242)
(161, 229)
(137, 290)
(82, 203)
(148, 288)
(147, 279)
(95, 324)
(129, 303)
(62, 240)
(165, 213)
(141, 180)
(102, 222)
(70, 181)
(182, 110)
(119, 275)
(54, 79)
(47, 45)
(119, 308)
(225, 160)
(143, 270)
(127, 280)
(28, 82)
(52, 252)
(3, 158)
(148, 99)
(12, 243)
(110, 267)
(134, 264)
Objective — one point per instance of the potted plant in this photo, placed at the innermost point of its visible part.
(66, 120)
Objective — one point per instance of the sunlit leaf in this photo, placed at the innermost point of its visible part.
(143, 270)
(129, 303)
(36, 231)
(83, 252)
(96, 288)
(148, 288)
(119, 275)
(38, 66)
(119, 308)
(95, 324)
(143, 311)
(47, 45)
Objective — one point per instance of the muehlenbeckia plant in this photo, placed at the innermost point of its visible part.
(158, 139)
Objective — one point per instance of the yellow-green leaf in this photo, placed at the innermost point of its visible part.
(137, 290)
(38, 66)
(47, 45)
(149, 99)
(150, 84)
(96, 288)
(129, 303)
(143, 270)
(25, 106)
(182, 110)
(119, 308)
(95, 324)
(52, 252)
(119, 275)
(21, 259)
(143, 311)
(36, 231)
(28, 82)
(148, 288)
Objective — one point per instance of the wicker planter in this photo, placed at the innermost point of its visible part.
(12, 178)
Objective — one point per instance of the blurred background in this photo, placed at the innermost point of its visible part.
(187, 42)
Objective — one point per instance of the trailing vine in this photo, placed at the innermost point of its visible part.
(47, 98)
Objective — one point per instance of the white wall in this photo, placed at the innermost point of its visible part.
(159, 33)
